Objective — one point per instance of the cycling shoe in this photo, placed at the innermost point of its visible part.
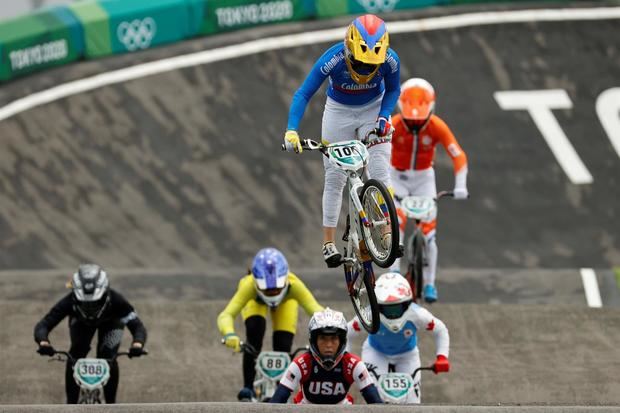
(430, 293)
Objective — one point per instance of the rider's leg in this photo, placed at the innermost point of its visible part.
(379, 155)
(335, 181)
(81, 336)
(425, 186)
(429, 230)
(338, 125)
(108, 341)
(376, 362)
(283, 341)
(284, 319)
(407, 363)
(254, 315)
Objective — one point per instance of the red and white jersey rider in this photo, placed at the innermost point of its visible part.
(326, 372)
(417, 131)
(321, 386)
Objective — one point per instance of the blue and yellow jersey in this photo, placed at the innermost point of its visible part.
(343, 89)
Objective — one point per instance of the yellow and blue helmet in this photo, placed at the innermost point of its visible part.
(365, 47)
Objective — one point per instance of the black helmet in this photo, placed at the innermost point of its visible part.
(91, 291)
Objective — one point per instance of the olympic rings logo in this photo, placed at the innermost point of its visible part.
(137, 34)
(374, 6)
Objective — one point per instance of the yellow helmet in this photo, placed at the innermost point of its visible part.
(365, 47)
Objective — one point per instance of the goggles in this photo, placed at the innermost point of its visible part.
(394, 311)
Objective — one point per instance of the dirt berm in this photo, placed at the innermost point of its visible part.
(500, 354)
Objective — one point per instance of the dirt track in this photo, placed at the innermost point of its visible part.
(500, 354)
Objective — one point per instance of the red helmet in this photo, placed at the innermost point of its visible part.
(416, 102)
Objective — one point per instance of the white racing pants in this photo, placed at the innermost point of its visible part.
(418, 183)
(341, 123)
(378, 363)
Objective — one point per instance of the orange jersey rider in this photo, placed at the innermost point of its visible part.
(417, 131)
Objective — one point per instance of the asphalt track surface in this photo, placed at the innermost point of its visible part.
(175, 180)
(184, 170)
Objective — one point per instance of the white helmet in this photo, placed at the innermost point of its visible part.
(327, 322)
(394, 297)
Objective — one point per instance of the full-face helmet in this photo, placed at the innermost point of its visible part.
(90, 288)
(365, 47)
(416, 102)
(326, 323)
(270, 272)
(394, 298)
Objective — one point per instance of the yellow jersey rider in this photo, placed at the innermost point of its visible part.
(270, 287)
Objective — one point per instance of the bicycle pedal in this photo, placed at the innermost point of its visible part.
(334, 262)
(334, 265)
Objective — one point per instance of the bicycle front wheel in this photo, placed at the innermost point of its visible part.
(380, 231)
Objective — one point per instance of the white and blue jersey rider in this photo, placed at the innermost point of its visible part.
(396, 342)
(364, 86)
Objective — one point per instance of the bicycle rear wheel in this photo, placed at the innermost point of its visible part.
(362, 294)
(381, 232)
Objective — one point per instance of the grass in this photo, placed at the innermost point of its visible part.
(617, 271)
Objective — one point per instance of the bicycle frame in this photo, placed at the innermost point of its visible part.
(419, 208)
(352, 156)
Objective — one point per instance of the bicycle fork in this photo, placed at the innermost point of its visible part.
(351, 273)
(355, 187)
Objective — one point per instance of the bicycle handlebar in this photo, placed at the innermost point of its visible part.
(441, 194)
(68, 356)
(309, 145)
(250, 349)
(431, 368)
(312, 145)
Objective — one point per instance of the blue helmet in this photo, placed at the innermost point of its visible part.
(270, 272)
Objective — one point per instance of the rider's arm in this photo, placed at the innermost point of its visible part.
(245, 292)
(365, 383)
(56, 314)
(454, 150)
(371, 394)
(128, 316)
(289, 382)
(281, 394)
(392, 84)
(425, 321)
(354, 329)
(302, 96)
(300, 293)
